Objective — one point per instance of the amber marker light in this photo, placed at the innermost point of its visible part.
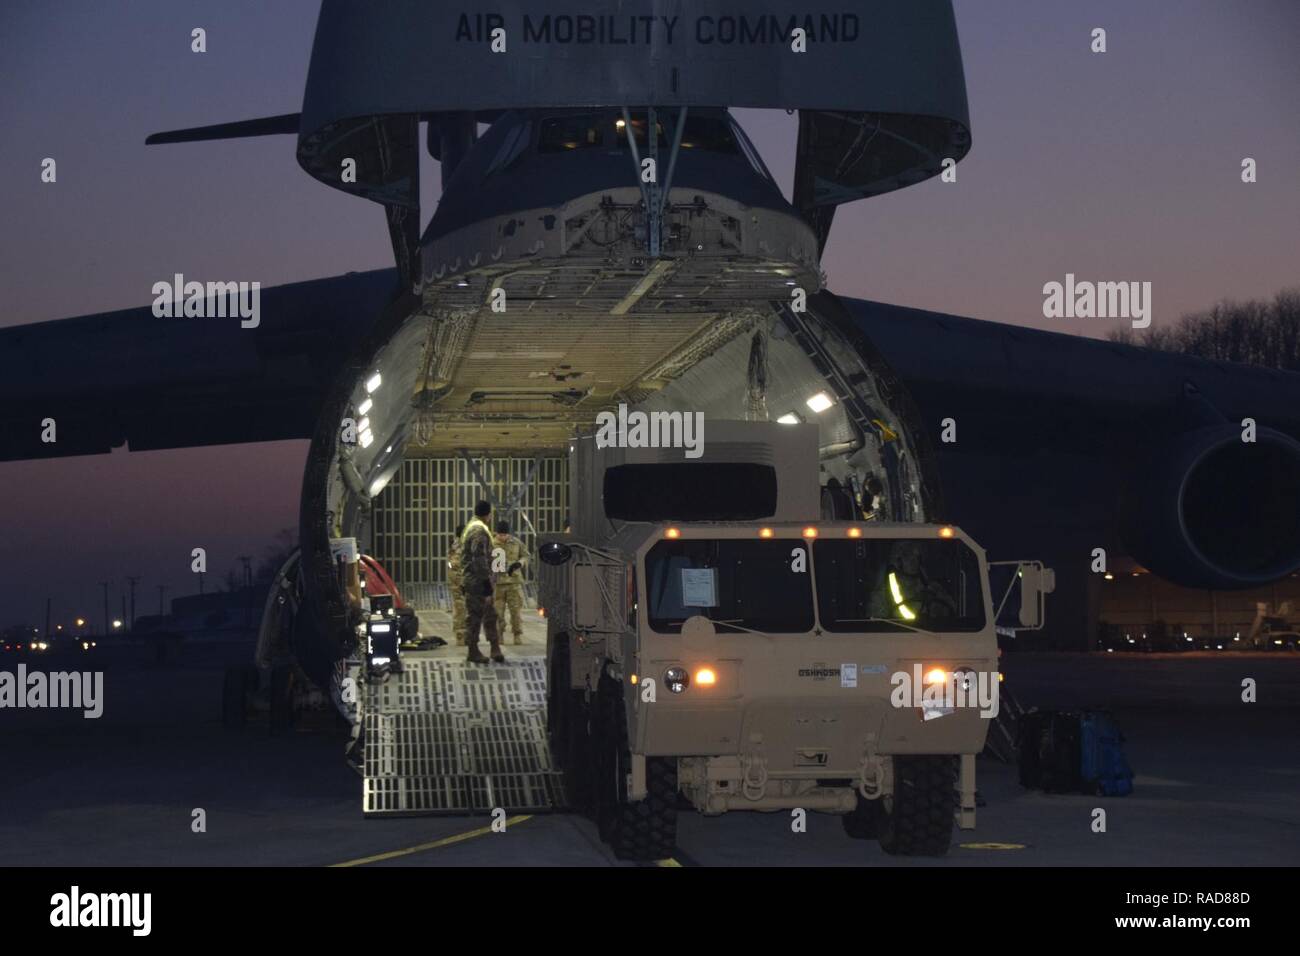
(541, 612)
(855, 532)
(810, 532)
(633, 678)
(765, 533)
(946, 532)
(672, 533)
(705, 677)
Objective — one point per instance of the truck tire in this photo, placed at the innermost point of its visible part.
(557, 713)
(566, 728)
(918, 820)
(234, 698)
(863, 823)
(639, 830)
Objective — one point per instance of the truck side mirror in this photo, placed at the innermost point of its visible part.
(555, 552)
(1036, 582)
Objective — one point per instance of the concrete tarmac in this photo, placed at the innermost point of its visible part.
(1218, 782)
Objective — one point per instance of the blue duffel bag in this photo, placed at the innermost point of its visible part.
(1104, 767)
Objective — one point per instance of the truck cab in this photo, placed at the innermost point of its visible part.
(762, 660)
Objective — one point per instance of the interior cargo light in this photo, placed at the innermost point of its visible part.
(373, 382)
(946, 532)
(789, 418)
(820, 402)
(855, 532)
(810, 532)
(706, 677)
(366, 439)
(363, 425)
(765, 532)
(672, 533)
(364, 407)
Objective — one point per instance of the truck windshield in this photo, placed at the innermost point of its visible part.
(753, 584)
(929, 584)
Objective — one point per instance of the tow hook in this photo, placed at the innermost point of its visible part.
(876, 774)
(753, 770)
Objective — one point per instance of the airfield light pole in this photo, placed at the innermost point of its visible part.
(130, 623)
(47, 617)
(107, 623)
(248, 588)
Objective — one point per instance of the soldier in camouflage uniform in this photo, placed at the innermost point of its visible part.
(453, 587)
(476, 581)
(509, 591)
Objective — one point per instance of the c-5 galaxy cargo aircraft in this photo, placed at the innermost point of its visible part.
(608, 236)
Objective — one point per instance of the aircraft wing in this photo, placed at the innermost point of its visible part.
(154, 383)
(1054, 445)
(1019, 391)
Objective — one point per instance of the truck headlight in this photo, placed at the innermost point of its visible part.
(676, 679)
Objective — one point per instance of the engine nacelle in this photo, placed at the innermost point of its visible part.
(1213, 511)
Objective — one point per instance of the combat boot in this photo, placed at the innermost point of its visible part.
(475, 655)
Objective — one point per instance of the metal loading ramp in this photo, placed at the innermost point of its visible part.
(447, 737)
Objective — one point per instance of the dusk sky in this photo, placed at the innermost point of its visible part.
(1120, 166)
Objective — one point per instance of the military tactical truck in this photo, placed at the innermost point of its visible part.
(711, 641)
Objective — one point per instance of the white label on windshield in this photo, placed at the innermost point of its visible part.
(699, 587)
(848, 675)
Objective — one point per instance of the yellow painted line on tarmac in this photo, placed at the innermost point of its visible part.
(433, 845)
(992, 846)
(668, 862)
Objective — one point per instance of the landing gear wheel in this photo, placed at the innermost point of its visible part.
(635, 830)
(281, 717)
(237, 686)
(863, 822)
(918, 820)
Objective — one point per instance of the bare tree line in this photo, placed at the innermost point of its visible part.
(1256, 332)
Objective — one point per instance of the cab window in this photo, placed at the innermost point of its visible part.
(737, 584)
(895, 584)
(562, 134)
